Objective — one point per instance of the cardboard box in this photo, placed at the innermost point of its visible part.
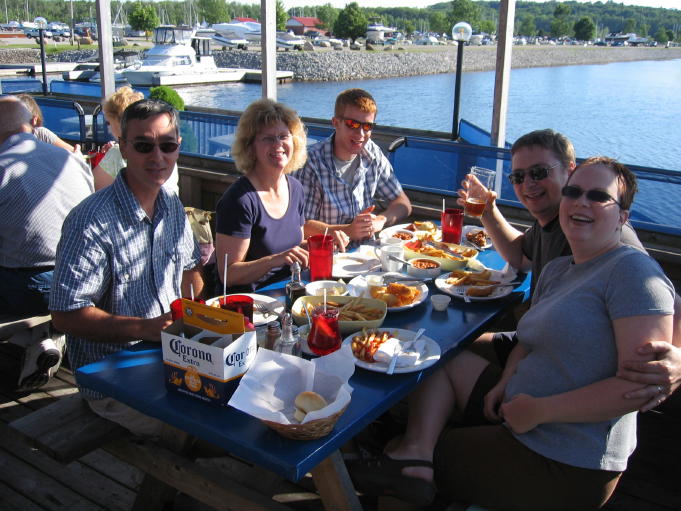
(206, 350)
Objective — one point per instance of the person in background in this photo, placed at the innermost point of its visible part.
(567, 429)
(260, 217)
(41, 132)
(125, 254)
(542, 162)
(113, 161)
(346, 173)
(39, 185)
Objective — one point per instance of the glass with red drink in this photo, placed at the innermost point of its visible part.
(479, 183)
(451, 220)
(324, 337)
(321, 256)
(176, 309)
(238, 303)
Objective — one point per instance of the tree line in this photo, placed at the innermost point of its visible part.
(556, 19)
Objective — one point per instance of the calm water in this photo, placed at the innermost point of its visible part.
(628, 110)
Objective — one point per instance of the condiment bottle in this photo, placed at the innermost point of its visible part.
(295, 288)
(288, 343)
(273, 334)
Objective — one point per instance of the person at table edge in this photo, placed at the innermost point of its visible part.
(347, 172)
(125, 254)
(542, 161)
(260, 217)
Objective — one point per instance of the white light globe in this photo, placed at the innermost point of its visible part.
(462, 31)
(40, 21)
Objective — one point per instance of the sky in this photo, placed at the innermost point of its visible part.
(669, 4)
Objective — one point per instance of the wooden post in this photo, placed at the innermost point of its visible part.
(335, 487)
(105, 42)
(503, 72)
(268, 48)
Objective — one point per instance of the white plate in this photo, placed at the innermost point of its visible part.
(348, 265)
(506, 275)
(428, 358)
(388, 232)
(468, 228)
(258, 318)
(358, 287)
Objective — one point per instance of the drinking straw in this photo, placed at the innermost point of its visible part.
(224, 277)
(191, 291)
(324, 300)
(324, 238)
(443, 204)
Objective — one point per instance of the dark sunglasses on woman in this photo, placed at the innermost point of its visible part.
(535, 172)
(575, 192)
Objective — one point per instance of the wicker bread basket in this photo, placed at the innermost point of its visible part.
(310, 430)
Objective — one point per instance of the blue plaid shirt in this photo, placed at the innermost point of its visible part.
(330, 199)
(111, 256)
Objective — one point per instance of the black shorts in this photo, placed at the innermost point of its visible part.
(503, 343)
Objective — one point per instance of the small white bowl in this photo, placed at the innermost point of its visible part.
(440, 302)
(332, 287)
(402, 234)
(424, 273)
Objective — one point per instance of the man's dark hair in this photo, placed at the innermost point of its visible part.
(145, 108)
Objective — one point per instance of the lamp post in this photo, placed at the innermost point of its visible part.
(42, 23)
(461, 33)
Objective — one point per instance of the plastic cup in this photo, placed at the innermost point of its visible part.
(451, 220)
(324, 337)
(238, 303)
(481, 183)
(321, 256)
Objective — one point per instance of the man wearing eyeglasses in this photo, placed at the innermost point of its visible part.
(125, 254)
(541, 163)
(346, 173)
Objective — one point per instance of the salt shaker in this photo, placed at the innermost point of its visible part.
(288, 343)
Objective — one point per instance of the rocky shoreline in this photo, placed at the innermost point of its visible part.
(384, 63)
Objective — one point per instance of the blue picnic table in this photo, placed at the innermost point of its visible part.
(135, 377)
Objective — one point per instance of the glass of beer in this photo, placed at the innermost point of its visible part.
(478, 187)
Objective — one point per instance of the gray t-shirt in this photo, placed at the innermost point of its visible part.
(543, 244)
(570, 341)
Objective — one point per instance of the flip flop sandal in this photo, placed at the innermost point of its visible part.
(382, 476)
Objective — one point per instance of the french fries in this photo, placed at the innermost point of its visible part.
(469, 278)
(353, 310)
(366, 344)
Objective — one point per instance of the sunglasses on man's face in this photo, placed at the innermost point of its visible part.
(575, 192)
(535, 172)
(353, 124)
(147, 147)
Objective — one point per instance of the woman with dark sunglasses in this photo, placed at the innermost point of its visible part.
(260, 217)
(552, 429)
(110, 165)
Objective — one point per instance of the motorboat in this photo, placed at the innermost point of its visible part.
(289, 41)
(180, 56)
(230, 39)
(376, 31)
(248, 30)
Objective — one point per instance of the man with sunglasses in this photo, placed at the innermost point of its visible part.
(541, 163)
(347, 172)
(39, 184)
(125, 254)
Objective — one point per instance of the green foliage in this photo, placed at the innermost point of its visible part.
(213, 11)
(528, 27)
(465, 10)
(409, 27)
(629, 26)
(561, 26)
(351, 22)
(439, 23)
(585, 29)
(143, 17)
(661, 36)
(165, 93)
(327, 14)
(488, 26)
(282, 16)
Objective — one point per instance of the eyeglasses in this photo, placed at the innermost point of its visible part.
(147, 147)
(353, 124)
(575, 192)
(536, 172)
(273, 139)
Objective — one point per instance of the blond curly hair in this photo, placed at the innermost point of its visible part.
(114, 106)
(259, 115)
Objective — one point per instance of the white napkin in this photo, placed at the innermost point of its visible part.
(410, 355)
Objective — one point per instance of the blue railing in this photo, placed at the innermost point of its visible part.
(65, 118)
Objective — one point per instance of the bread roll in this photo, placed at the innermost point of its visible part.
(310, 401)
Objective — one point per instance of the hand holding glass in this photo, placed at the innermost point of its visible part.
(480, 181)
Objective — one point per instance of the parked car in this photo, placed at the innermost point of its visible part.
(34, 32)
